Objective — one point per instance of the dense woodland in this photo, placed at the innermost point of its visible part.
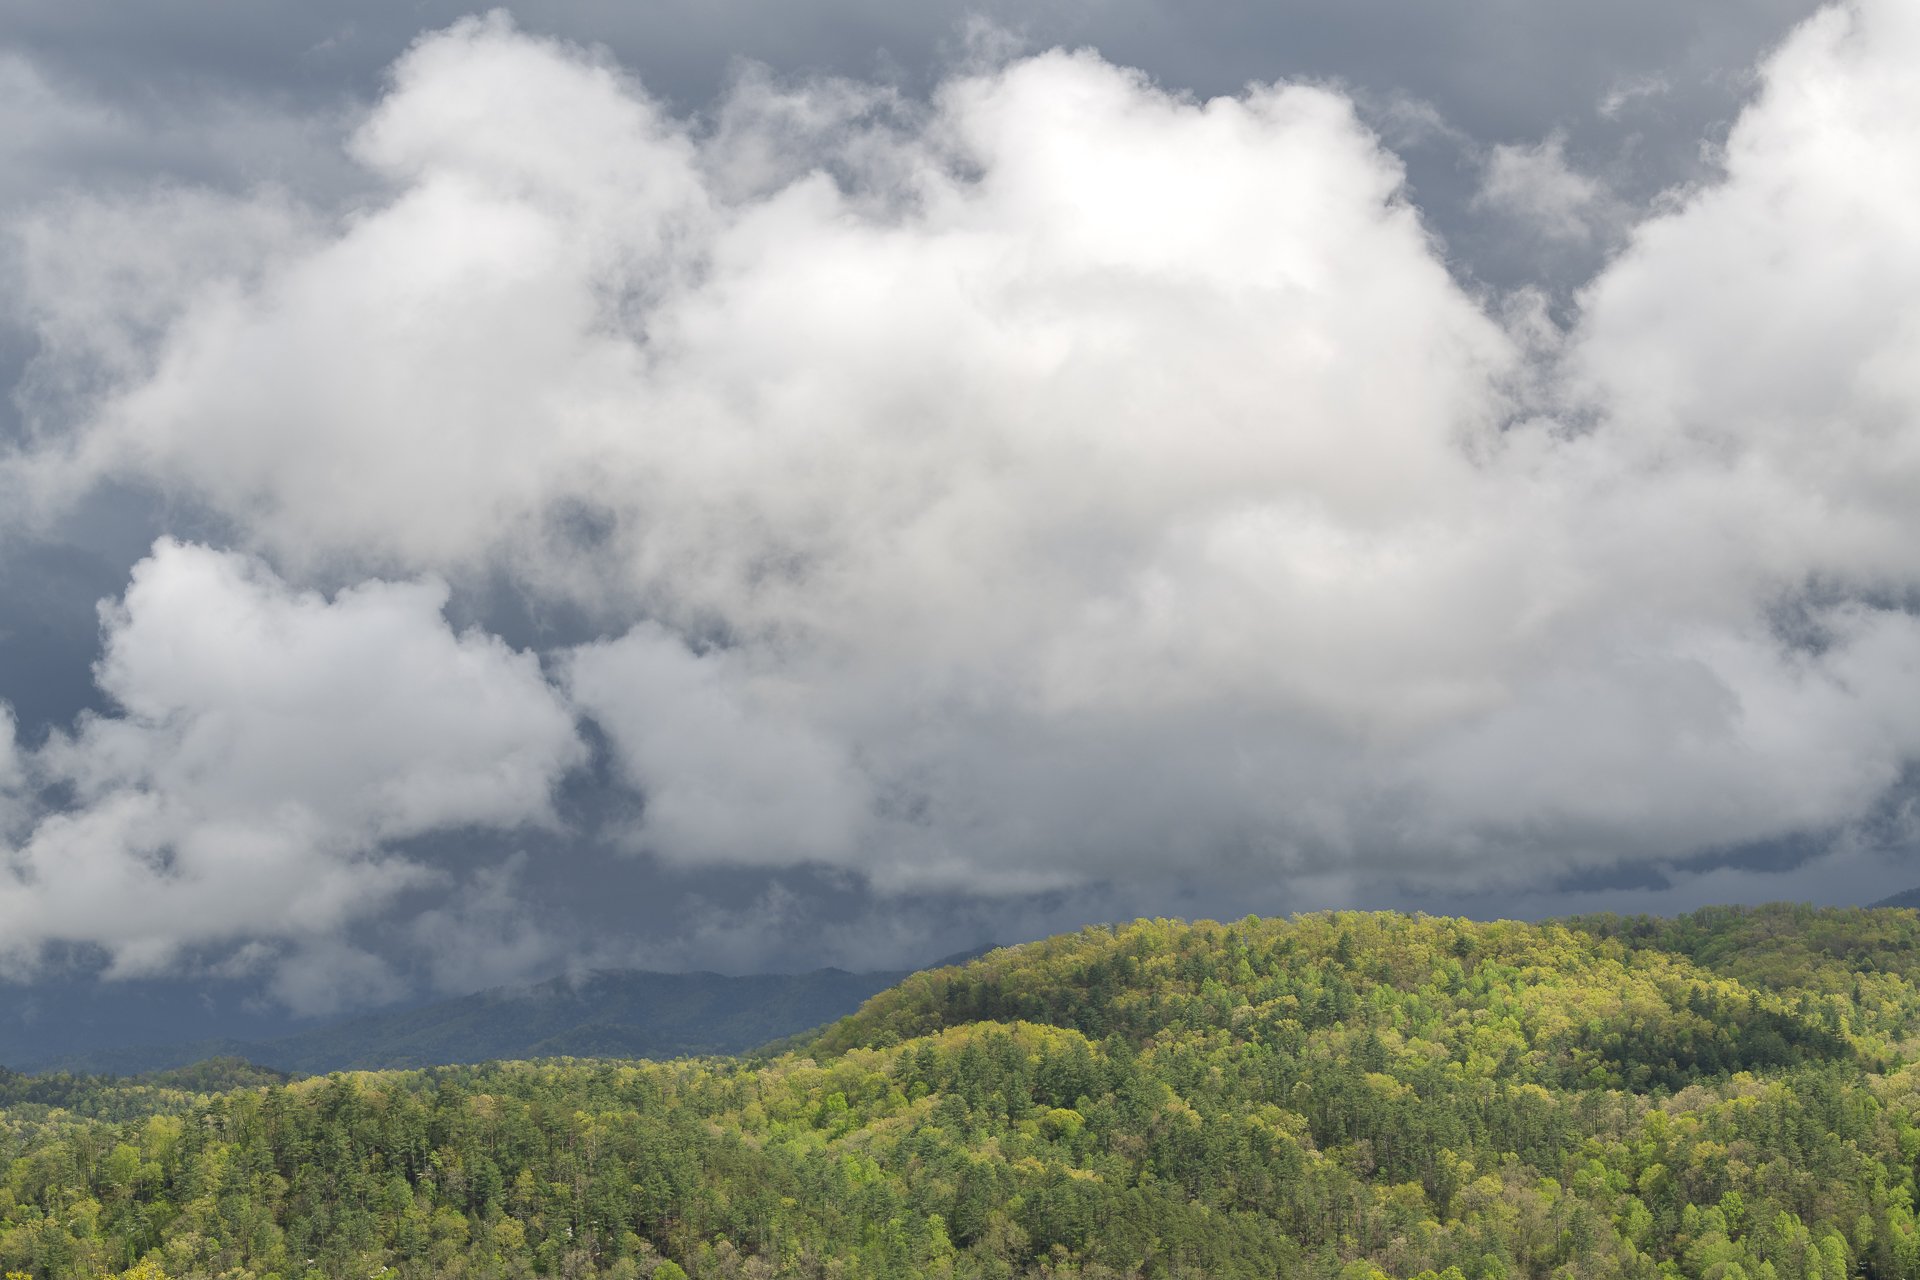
(1734, 1095)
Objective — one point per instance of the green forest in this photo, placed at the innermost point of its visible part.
(1732, 1095)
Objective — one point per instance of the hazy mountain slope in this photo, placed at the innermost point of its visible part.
(609, 1013)
(58, 1019)
(612, 1013)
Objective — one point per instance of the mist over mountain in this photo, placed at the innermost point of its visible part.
(103, 1029)
(68, 1019)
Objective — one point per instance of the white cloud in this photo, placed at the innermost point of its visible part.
(1753, 350)
(482, 935)
(106, 314)
(1726, 741)
(269, 746)
(1064, 480)
(1537, 186)
(323, 975)
(727, 776)
(1634, 89)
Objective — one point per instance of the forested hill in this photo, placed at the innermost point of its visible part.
(1731, 1096)
(1628, 1002)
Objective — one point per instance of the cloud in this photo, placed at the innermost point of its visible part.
(140, 170)
(270, 748)
(106, 314)
(62, 122)
(484, 935)
(1735, 739)
(725, 773)
(1754, 345)
(1057, 482)
(13, 773)
(323, 975)
(1535, 185)
(71, 128)
(1626, 92)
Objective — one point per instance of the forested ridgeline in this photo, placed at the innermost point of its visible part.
(1730, 1096)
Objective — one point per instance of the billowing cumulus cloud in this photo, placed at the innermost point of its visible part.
(269, 748)
(1056, 482)
(1759, 339)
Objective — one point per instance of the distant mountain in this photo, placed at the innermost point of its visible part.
(606, 1013)
(1911, 898)
(59, 1019)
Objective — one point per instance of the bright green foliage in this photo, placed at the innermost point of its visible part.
(1339, 1097)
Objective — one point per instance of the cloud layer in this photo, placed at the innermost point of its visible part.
(1052, 483)
(270, 748)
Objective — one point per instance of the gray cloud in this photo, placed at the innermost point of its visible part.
(1535, 185)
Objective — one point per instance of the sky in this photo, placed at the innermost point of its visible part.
(757, 486)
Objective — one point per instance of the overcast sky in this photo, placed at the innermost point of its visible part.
(754, 485)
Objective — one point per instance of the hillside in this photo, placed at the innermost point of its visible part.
(1730, 1096)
